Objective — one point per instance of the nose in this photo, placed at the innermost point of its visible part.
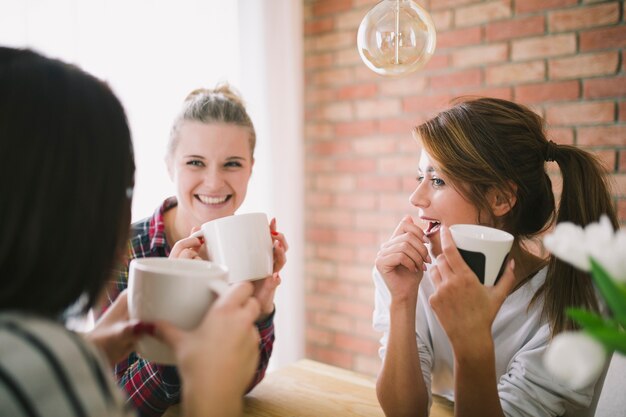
(213, 178)
(419, 197)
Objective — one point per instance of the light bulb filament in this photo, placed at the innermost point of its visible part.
(397, 32)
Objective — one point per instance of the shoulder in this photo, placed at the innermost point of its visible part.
(47, 367)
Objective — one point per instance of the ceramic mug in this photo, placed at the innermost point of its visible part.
(484, 249)
(177, 290)
(242, 243)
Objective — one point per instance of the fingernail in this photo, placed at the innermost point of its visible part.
(144, 328)
(201, 239)
(274, 233)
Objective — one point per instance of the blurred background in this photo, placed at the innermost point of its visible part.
(335, 161)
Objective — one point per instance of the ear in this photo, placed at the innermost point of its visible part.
(502, 201)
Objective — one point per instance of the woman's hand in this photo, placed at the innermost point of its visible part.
(465, 307)
(401, 260)
(114, 333)
(217, 360)
(188, 248)
(265, 289)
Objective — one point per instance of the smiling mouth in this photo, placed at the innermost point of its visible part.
(212, 201)
(433, 227)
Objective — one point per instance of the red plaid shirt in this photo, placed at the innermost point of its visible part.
(151, 387)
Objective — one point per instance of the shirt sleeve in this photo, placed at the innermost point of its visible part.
(266, 331)
(527, 390)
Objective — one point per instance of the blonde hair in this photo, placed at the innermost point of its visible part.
(223, 104)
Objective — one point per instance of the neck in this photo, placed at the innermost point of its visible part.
(174, 227)
(527, 264)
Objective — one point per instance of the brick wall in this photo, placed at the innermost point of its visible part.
(564, 58)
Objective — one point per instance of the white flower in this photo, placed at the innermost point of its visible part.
(575, 359)
(576, 246)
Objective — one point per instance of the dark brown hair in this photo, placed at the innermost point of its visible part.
(66, 168)
(491, 144)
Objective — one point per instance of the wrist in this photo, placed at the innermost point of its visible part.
(472, 348)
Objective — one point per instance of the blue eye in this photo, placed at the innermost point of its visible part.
(438, 182)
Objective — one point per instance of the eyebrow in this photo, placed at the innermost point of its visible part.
(428, 170)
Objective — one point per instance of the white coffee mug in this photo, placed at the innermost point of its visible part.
(483, 248)
(177, 290)
(242, 243)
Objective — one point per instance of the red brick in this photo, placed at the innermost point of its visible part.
(319, 165)
(543, 47)
(376, 146)
(357, 91)
(334, 76)
(528, 6)
(318, 26)
(480, 55)
(515, 28)
(350, 19)
(324, 7)
(378, 222)
(334, 182)
(515, 73)
(317, 199)
(581, 113)
(348, 57)
(583, 17)
(362, 73)
(317, 61)
(618, 185)
(621, 211)
(584, 65)
(403, 126)
(397, 202)
(355, 237)
(438, 61)
(356, 165)
(334, 41)
(449, 4)
(457, 79)
(319, 95)
(353, 308)
(361, 201)
(602, 135)
(335, 253)
(351, 129)
(318, 336)
(505, 93)
(482, 13)
(321, 269)
(331, 217)
(330, 356)
(442, 20)
(605, 87)
(413, 84)
(369, 183)
(561, 135)
(321, 130)
(622, 111)
(622, 161)
(426, 103)
(605, 38)
(398, 164)
(459, 37)
(376, 109)
(555, 91)
(356, 344)
(608, 159)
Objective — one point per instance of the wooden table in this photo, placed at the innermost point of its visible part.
(312, 389)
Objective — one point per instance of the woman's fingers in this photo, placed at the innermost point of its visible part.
(187, 248)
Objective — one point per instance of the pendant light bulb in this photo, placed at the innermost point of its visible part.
(396, 37)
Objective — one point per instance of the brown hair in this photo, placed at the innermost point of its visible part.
(491, 144)
(219, 105)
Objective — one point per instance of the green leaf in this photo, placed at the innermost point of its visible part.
(613, 294)
(611, 338)
(587, 319)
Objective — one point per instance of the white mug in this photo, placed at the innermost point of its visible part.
(242, 243)
(177, 290)
(484, 249)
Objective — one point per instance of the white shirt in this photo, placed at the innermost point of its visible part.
(520, 338)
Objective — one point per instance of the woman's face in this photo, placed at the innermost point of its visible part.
(438, 202)
(210, 167)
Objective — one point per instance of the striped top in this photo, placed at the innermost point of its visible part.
(47, 370)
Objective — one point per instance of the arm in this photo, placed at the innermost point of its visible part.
(466, 310)
(400, 386)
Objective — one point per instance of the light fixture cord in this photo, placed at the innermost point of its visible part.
(397, 31)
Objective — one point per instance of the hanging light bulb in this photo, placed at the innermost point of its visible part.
(396, 37)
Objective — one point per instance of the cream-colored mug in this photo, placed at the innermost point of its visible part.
(176, 290)
(242, 243)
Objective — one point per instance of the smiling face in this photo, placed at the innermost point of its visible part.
(439, 202)
(210, 167)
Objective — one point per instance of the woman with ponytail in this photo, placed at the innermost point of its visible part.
(483, 161)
